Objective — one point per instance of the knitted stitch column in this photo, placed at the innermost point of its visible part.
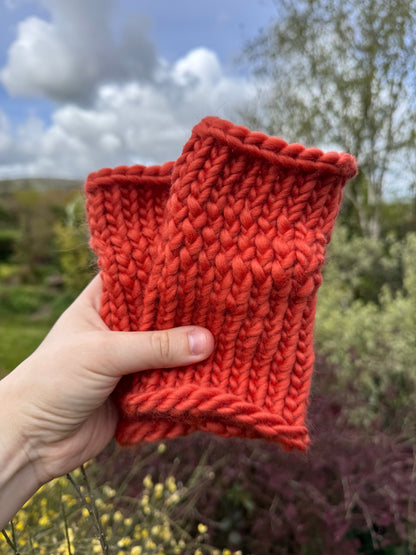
(235, 244)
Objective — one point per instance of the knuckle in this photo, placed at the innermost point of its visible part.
(162, 345)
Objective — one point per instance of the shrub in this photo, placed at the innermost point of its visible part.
(372, 344)
(71, 240)
(8, 238)
(68, 517)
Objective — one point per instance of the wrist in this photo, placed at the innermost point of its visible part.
(18, 479)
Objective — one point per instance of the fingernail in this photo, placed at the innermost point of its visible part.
(197, 342)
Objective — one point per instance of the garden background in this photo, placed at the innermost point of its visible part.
(326, 73)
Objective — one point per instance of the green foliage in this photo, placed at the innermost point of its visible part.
(37, 213)
(369, 335)
(361, 266)
(8, 239)
(27, 312)
(23, 299)
(71, 240)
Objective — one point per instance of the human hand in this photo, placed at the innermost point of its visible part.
(55, 407)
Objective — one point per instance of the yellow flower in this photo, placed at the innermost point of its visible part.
(147, 481)
(19, 525)
(118, 516)
(147, 510)
(124, 542)
(100, 503)
(171, 484)
(136, 550)
(68, 499)
(173, 499)
(109, 492)
(22, 541)
(197, 552)
(226, 552)
(161, 448)
(202, 529)
(155, 530)
(85, 512)
(70, 534)
(145, 533)
(44, 520)
(144, 501)
(128, 521)
(165, 534)
(104, 519)
(137, 532)
(150, 544)
(158, 490)
(96, 546)
(62, 481)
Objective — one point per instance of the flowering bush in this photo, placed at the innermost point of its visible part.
(63, 518)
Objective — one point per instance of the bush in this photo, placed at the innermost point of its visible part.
(69, 516)
(372, 344)
(23, 299)
(71, 240)
(8, 239)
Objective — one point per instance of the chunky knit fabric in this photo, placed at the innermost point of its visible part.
(231, 237)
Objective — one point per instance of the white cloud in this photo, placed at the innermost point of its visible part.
(132, 122)
(115, 101)
(69, 57)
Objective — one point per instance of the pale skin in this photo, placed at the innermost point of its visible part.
(55, 411)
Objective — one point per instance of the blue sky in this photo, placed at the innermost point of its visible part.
(92, 83)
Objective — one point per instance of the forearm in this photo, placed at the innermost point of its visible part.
(18, 481)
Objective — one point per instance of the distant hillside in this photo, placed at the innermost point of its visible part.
(39, 184)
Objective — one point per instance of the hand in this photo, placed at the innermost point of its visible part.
(55, 406)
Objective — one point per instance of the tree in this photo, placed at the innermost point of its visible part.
(341, 74)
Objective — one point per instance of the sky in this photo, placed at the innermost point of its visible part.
(86, 84)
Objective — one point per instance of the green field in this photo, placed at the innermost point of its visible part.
(27, 312)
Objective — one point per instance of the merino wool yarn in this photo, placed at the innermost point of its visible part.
(232, 237)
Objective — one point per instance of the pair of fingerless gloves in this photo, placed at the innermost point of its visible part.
(231, 237)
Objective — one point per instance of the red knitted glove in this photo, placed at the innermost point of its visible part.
(234, 244)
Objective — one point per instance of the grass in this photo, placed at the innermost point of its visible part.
(27, 312)
(19, 338)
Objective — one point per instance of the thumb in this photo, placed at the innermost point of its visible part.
(127, 352)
